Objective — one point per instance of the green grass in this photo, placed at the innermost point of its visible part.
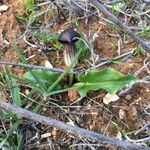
(28, 17)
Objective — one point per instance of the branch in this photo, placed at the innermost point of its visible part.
(101, 7)
(130, 53)
(74, 129)
(35, 67)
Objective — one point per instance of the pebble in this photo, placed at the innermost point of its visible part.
(128, 97)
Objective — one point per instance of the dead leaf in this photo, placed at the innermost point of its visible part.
(122, 114)
(110, 98)
(45, 135)
(119, 136)
(3, 8)
(48, 64)
(73, 95)
(54, 132)
(132, 113)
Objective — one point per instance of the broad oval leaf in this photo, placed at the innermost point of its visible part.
(107, 79)
(53, 36)
(46, 77)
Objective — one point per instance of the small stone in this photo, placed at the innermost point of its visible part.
(128, 97)
(27, 91)
(44, 109)
(38, 142)
(3, 8)
(122, 114)
(110, 98)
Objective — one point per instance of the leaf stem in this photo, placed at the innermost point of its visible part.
(61, 91)
(50, 89)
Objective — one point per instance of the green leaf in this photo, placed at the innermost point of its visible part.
(29, 4)
(45, 37)
(10, 132)
(19, 142)
(85, 49)
(51, 88)
(53, 36)
(6, 115)
(14, 90)
(107, 79)
(119, 6)
(28, 96)
(46, 77)
(20, 54)
(38, 108)
(23, 58)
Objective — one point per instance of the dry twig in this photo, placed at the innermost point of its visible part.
(74, 129)
(35, 67)
(98, 4)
